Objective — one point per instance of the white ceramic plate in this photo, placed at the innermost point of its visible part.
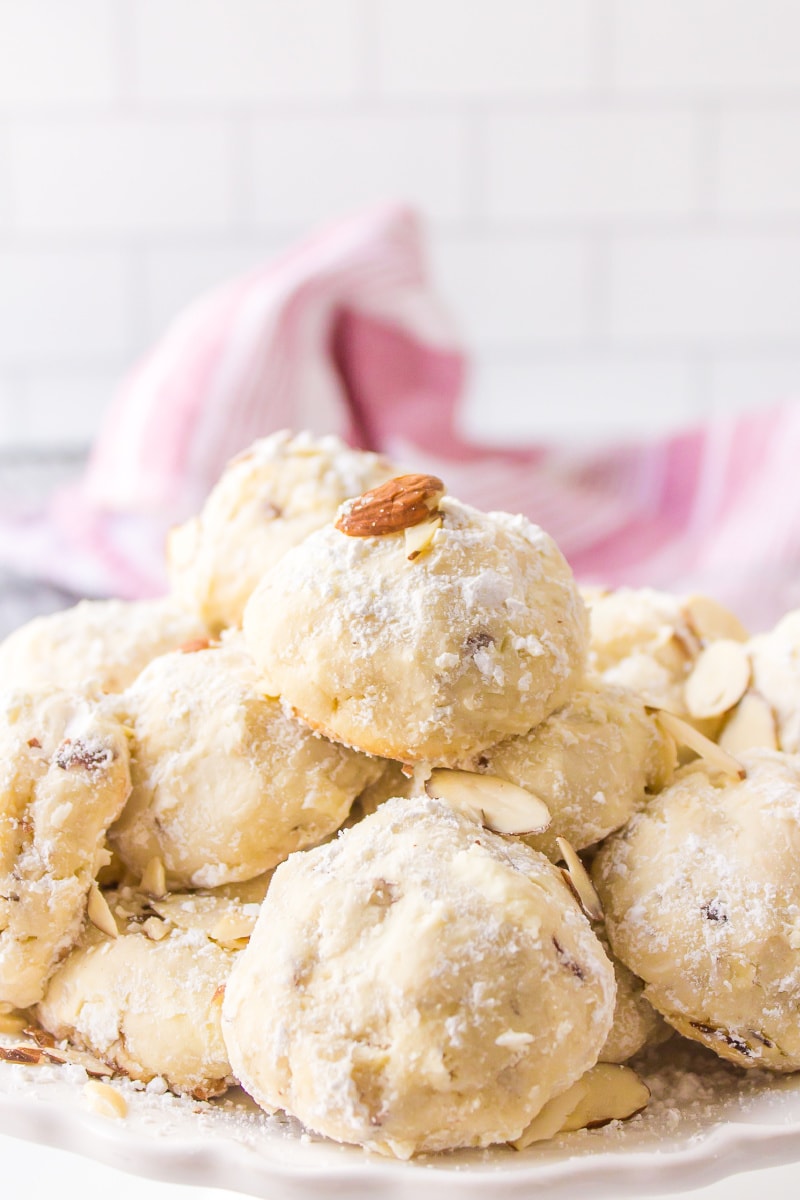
(706, 1120)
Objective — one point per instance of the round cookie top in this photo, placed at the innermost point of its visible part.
(64, 777)
(419, 984)
(149, 1001)
(225, 784)
(421, 648)
(104, 642)
(267, 500)
(592, 762)
(702, 894)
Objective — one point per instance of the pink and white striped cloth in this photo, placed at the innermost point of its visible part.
(343, 334)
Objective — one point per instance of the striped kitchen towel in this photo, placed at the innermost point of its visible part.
(344, 334)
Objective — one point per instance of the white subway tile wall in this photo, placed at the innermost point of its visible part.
(55, 54)
(612, 189)
(533, 291)
(64, 306)
(122, 176)
(245, 51)
(741, 383)
(598, 165)
(467, 48)
(307, 167)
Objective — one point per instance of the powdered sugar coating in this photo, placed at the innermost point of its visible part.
(592, 762)
(636, 1023)
(102, 642)
(418, 984)
(479, 638)
(225, 784)
(149, 1002)
(64, 777)
(702, 900)
(267, 500)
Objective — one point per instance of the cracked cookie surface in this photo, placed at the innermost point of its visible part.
(148, 1002)
(418, 984)
(64, 777)
(225, 784)
(702, 901)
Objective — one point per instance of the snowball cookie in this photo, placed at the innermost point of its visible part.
(267, 500)
(702, 900)
(149, 1001)
(775, 660)
(418, 984)
(479, 637)
(592, 763)
(225, 785)
(64, 777)
(104, 642)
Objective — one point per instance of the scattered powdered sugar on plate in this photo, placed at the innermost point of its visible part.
(706, 1119)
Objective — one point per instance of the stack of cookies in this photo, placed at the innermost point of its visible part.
(321, 821)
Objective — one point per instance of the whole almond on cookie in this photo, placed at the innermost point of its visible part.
(396, 505)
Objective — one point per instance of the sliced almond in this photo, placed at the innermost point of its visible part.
(752, 723)
(42, 1037)
(395, 505)
(719, 679)
(155, 929)
(418, 538)
(614, 1092)
(55, 1055)
(712, 620)
(550, 1120)
(99, 913)
(25, 1055)
(685, 642)
(80, 1058)
(104, 1100)
(499, 805)
(579, 882)
(154, 879)
(233, 927)
(712, 754)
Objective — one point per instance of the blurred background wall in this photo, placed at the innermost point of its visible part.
(612, 189)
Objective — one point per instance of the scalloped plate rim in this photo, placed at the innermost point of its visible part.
(723, 1150)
